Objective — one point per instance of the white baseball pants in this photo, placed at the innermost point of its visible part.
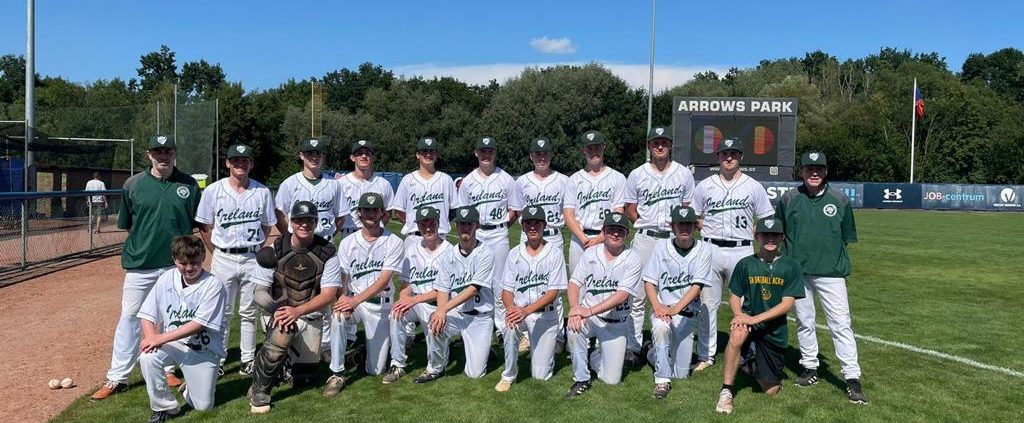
(374, 318)
(643, 244)
(137, 284)
(235, 271)
(476, 339)
(608, 358)
(724, 262)
(673, 345)
(834, 300)
(419, 313)
(542, 328)
(497, 241)
(200, 370)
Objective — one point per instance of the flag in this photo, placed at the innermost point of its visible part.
(918, 103)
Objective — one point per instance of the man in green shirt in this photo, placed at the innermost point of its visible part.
(763, 289)
(156, 206)
(819, 224)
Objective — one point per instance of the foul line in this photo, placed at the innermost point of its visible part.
(933, 353)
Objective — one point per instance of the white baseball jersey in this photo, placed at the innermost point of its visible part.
(352, 188)
(331, 278)
(490, 195)
(730, 211)
(674, 273)
(326, 195)
(171, 305)
(594, 195)
(655, 193)
(458, 272)
(95, 185)
(415, 192)
(363, 261)
(549, 193)
(420, 266)
(530, 277)
(237, 218)
(599, 279)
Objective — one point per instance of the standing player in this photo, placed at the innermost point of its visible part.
(651, 191)
(533, 280)
(487, 189)
(182, 319)
(156, 206)
(235, 216)
(295, 282)
(727, 205)
(368, 259)
(819, 224)
(463, 302)
(417, 297)
(763, 289)
(545, 188)
(678, 270)
(599, 293)
(360, 181)
(98, 203)
(426, 186)
(598, 190)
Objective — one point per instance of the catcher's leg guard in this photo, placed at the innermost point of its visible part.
(267, 369)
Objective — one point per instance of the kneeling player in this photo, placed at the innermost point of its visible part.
(607, 276)
(679, 268)
(764, 288)
(464, 302)
(534, 277)
(182, 319)
(296, 279)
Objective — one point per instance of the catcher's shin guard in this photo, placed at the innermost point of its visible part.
(270, 360)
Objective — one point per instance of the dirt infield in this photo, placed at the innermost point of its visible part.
(56, 326)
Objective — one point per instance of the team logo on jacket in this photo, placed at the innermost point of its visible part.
(830, 210)
(182, 192)
(765, 294)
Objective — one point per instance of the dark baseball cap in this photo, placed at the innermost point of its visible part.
(534, 213)
(370, 200)
(311, 145)
(467, 214)
(540, 144)
(427, 143)
(683, 214)
(427, 213)
(769, 225)
(591, 138)
(730, 144)
(239, 150)
(486, 142)
(303, 209)
(616, 219)
(161, 141)
(813, 158)
(657, 132)
(361, 144)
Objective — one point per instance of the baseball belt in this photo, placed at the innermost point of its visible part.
(379, 300)
(239, 250)
(547, 308)
(592, 232)
(607, 320)
(687, 313)
(727, 243)
(551, 232)
(473, 312)
(656, 233)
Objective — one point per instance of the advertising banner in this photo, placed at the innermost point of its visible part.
(972, 197)
(892, 196)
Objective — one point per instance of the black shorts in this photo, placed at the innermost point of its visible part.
(768, 358)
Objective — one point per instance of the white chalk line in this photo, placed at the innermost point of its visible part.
(933, 353)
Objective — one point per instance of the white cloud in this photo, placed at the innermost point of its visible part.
(553, 45)
(636, 75)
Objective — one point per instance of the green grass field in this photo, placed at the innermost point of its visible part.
(944, 281)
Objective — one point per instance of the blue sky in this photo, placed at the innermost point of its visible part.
(263, 43)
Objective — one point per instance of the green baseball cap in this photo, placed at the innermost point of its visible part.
(540, 144)
(467, 214)
(730, 144)
(769, 225)
(683, 214)
(239, 150)
(534, 213)
(303, 209)
(161, 141)
(486, 142)
(657, 132)
(361, 144)
(427, 143)
(427, 213)
(311, 145)
(371, 200)
(813, 158)
(591, 138)
(616, 219)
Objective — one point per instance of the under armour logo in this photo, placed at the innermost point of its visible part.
(890, 194)
(314, 143)
(240, 149)
(464, 212)
(814, 156)
(769, 223)
(161, 140)
(428, 141)
(362, 142)
(590, 136)
(540, 143)
(659, 131)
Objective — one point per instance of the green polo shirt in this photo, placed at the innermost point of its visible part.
(818, 229)
(762, 286)
(154, 211)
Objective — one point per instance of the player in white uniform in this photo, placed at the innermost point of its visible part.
(598, 191)
(534, 278)
(464, 302)
(488, 189)
(368, 259)
(599, 293)
(652, 189)
(674, 276)
(545, 188)
(417, 297)
(728, 205)
(426, 186)
(235, 216)
(360, 181)
(182, 324)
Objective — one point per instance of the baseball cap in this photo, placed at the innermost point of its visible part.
(427, 143)
(534, 213)
(657, 132)
(467, 214)
(730, 144)
(303, 209)
(239, 150)
(591, 138)
(616, 219)
(813, 158)
(370, 200)
(161, 141)
(683, 214)
(486, 142)
(361, 144)
(311, 144)
(540, 144)
(427, 213)
(769, 225)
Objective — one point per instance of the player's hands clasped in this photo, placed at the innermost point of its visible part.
(664, 313)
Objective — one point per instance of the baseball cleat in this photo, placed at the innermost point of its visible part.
(524, 344)
(704, 365)
(393, 374)
(807, 378)
(855, 392)
(577, 389)
(631, 359)
(724, 405)
(503, 385)
(325, 355)
(246, 368)
(259, 404)
(661, 390)
(559, 346)
(109, 388)
(334, 385)
(173, 380)
(162, 416)
(426, 377)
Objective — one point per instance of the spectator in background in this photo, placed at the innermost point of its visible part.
(97, 203)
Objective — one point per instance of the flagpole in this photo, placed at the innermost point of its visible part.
(913, 127)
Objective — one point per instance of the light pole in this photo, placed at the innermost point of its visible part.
(30, 91)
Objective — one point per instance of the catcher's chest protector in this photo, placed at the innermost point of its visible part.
(297, 278)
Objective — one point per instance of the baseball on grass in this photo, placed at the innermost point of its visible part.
(67, 383)
(54, 384)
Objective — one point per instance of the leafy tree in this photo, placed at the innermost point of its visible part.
(157, 67)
